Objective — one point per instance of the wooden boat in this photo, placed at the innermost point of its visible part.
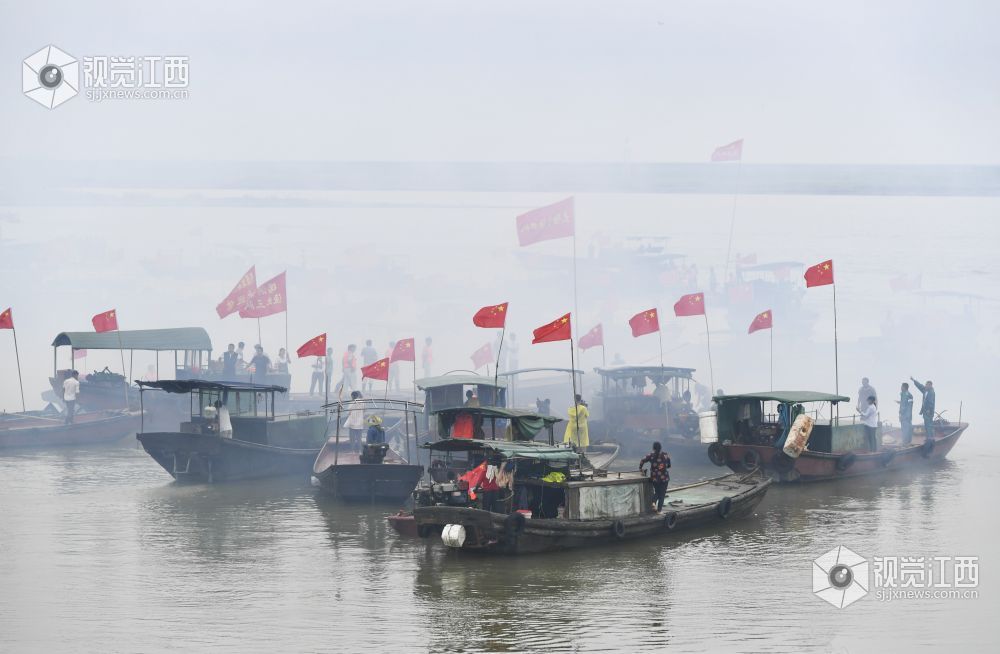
(376, 473)
(836, 447)
(582, 511)
(261, 444)
(41, 429)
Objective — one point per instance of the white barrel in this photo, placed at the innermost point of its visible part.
(798, 437)
(708, 427)
(453, 535)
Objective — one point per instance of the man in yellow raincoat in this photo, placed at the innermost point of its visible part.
(577, 431)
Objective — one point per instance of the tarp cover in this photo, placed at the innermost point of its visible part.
(179, 338)
(616, 501)
(525, 425)
(507, 449)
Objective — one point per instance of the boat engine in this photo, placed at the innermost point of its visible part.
(374, 453)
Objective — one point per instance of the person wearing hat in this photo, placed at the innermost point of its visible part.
(376, 434)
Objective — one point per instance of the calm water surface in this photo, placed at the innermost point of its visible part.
(99, 551)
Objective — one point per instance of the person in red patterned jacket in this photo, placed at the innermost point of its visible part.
(659, 475)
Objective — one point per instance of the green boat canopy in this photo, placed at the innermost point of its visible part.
(458, 380)
(786, 397)
(189, 385)
(507, 449)
(158, 340)
(525, 425)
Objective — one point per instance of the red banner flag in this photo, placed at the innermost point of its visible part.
(819, 275)
(404, 351)
(644, 322)
(240, 296)
(593, 338)
(692, 304)
(493, 316)
(7, 319)
(377, 370)
(269, 299)
(315, 347)
(729, 152)
(762, 321)
(79, 354)
(105, 322)
(546, 223)
(557, 330)
(482, 356)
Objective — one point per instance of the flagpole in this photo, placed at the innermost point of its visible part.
(17, 356)
(258, 334)
(659, 336)
(836, 354)
(772, 357)
(576, 406)
(496, 371)
(576, 308)
(604, 360)
(121, 351)
(708, 341)
(732, 220)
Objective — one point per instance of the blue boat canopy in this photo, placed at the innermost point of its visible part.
(157, 340)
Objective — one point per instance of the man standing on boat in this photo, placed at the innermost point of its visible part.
(906, 413)
(659, 475)
(71, 389)
(328, 370)
(260, 362)
(578, 428)
(229, 358)
(864, 393)
(869, 418)
(355, 421)
(368, 356)
(349, 365)
(927, 406)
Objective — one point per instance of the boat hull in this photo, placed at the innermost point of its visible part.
(18, 431)
(370, 482)
(505, 534)
(818, 466)
(201, 458)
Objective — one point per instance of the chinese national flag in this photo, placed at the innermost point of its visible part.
(482, 356)
(269, 299)
(819, 275)
(546, 223)
(79, 354)
(378, 370)
(493, 316)
(729, 152)
(240, 295)
(404, 351)
(692, 304)
(557, 330)
(644, 322)
(315, 347)
(762, 321)
(105, 322)
(593, 338)
(7, 319)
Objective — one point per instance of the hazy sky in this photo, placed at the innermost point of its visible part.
(847, 82)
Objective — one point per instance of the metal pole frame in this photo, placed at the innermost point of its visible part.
(17, 356)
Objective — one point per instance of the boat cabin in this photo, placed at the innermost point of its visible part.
(493, 423)
(766, 418)
(625, 405)
(448, 391)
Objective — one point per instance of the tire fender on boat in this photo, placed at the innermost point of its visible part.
(716, 454)
(927, 448)
(750, 460)
(723, 507)
(670, 520)
(618, 528)
(846, 461)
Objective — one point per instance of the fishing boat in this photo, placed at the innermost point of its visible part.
(375, 472)
(550, 502)
(48, 428)
(798, 436)
(259, 443)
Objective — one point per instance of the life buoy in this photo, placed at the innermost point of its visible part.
(781, 462)
(846, 461)
(670, 520)
(887, 458)
(716, 454)
(723, 507)
(927, 448)
(618, 528)
(514, 523)
(750, 460)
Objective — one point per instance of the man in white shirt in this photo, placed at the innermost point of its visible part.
(71, 389)
(869, 418)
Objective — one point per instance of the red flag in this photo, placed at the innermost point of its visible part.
(378, 370)
(546, 223)
(404, 351)
(482, 356)
(746, 259)
(819, 275)
(729, 152)
(593, 338)
(79, 354)
(692, 304)
(557, 330)
(762, 321)
(105, 322)
(240, 296)
(494, 316)
(7, 319)
(269, 299)
(315, 347)
(644, 322)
